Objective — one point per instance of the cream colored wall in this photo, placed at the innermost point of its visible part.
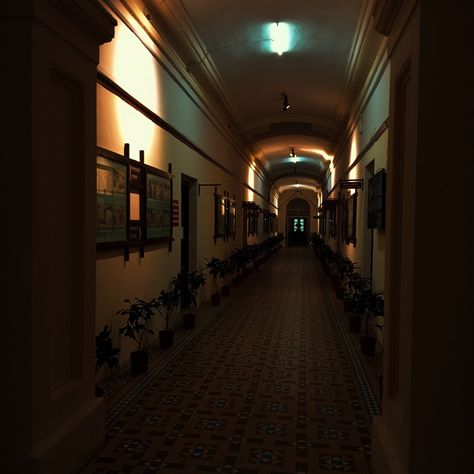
(359, 151)
(134, 68)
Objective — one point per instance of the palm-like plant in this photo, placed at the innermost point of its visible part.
(166, 303)
(186, 286)
(139, 314)
(105, 352)
(216, 270)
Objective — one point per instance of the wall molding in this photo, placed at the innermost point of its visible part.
(173, 65)
(109, 84)
(375, 137)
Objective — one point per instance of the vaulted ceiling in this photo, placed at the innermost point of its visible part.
(227, 43)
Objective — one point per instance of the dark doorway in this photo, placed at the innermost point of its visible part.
(185, 225)
(297, 231)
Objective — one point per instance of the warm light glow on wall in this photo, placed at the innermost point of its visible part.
(134, 69)
(319, 151)
(251, 183)
(353, 173)
(134, 128)
(294, 187)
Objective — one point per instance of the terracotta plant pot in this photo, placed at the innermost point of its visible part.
(367, 345)
(189, 321)
(225, 290)
(139, 362)
(166, 338)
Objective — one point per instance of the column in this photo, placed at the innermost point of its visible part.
(50, 419)
(426, 420)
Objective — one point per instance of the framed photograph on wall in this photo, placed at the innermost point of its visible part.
(221, 213)
(376, 201)
(158, 205)
(351, 219)
(112, 198)
(232, 217)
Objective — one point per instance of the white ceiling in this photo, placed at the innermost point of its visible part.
(230, 40)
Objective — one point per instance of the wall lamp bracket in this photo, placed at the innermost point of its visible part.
(215, 185)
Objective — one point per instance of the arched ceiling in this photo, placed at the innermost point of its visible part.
(228, 45)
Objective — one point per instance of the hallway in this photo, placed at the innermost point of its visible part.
(267, 387)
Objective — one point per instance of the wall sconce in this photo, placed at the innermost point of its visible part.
(286, 104)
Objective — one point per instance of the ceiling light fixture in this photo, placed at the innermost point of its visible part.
(280, 37)
(286, 104)
(293, 155)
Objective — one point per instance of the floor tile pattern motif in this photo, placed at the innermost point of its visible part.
(268, 387)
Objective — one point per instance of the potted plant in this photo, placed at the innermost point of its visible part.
(105, 353)
(166, 303)
(138, 314)
(238, 263)
(215, 267)
(186, 285)
(373, 307)
(354, 284)
(226, 274)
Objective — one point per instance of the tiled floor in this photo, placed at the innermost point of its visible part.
(268, 383)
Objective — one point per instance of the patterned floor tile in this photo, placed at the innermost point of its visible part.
(266, 384)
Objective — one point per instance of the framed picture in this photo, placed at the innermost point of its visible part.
(332, 226)
(273, 223)
(350, 219)
(112, 198)
(376, 201)
(221, 213)
(266, 222)
(158, 205)
(322, 224)
(232, 217)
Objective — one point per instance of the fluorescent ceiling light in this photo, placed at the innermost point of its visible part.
(280, 37)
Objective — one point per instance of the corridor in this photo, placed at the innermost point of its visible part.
(264, 384)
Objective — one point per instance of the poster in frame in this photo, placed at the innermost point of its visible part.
(350, 219)
(232, 217)
(158, 205)
(221, 213)
(111, 198)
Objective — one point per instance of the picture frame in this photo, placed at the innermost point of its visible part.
(376, 201)
(273, 223)
(350, 219)
(112, 207)
(232, 217)
(221, 215)
(158, 205)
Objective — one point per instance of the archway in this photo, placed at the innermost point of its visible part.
(297, 217)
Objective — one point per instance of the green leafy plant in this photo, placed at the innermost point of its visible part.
(138, 314)
(166, 303)
(105, 352)
(186, 286)
(369, 304)
(216, 268)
